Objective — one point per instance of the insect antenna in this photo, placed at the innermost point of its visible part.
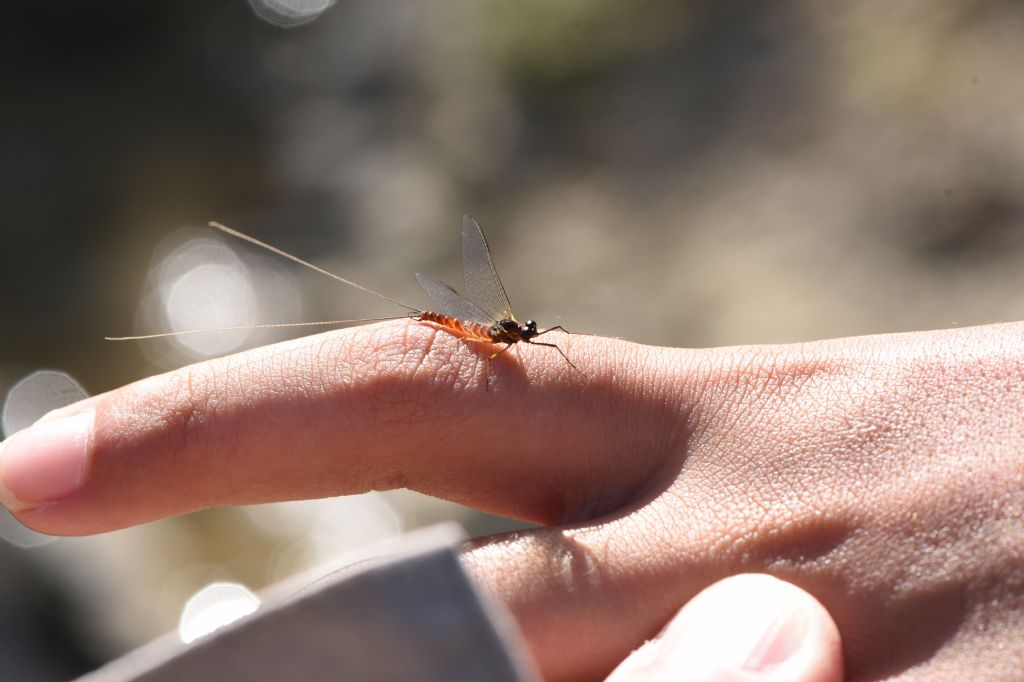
(413, 312)
(295, 259)
(278, 325)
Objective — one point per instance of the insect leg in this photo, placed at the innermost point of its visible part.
(551, 329)
(562, 353)
(487, 360)
(497, 353)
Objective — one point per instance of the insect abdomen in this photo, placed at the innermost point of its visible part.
(455, 324)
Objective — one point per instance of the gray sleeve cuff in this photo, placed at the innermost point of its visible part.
(400, 612)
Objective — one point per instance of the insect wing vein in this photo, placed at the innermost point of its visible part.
(450, 302)
(482, 285)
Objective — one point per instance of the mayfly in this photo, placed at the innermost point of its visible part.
(482, 315)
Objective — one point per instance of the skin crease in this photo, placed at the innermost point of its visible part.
(884, 475)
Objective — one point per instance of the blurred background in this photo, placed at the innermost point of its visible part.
(688, 174)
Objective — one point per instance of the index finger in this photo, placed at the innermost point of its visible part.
(392, 405)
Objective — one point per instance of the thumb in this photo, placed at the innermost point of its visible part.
(746, 628)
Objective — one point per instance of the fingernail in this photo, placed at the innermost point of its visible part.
(749, 628)
(775, 640)
(46, 462)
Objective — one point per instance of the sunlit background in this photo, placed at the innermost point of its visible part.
(689, 174)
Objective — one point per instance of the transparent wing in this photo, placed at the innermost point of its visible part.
(450, 302)
(483, 288)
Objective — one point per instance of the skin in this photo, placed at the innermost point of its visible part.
(749, 627)
(883, 475)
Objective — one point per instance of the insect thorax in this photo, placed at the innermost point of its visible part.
(505, 331)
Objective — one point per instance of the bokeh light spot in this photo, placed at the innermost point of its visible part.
(206, 296)
(37, 394)
(14, 533)
(213, 607)
(286, 13)
(311, 532)
(197, 283)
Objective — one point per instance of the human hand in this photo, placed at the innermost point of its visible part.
(883, 474)
(746, 628)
